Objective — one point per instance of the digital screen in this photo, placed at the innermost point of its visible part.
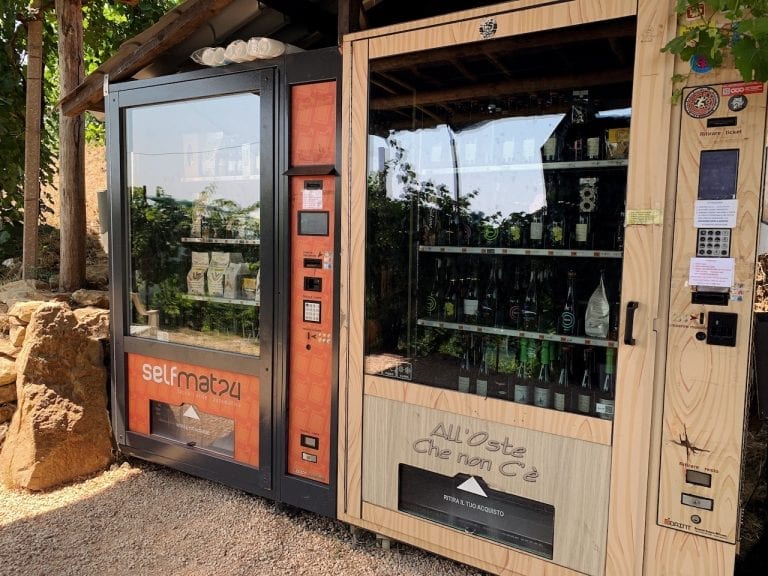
(718, 174)
(313, 223)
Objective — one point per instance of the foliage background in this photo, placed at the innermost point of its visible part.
(106, 24)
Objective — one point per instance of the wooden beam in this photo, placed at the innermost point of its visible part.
(507, 87)
(168, 32)
(348, 17)
(306, 13)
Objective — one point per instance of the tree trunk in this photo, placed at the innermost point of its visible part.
(32, 142)
(69, 14)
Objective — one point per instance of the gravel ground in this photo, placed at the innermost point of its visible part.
(141, 519)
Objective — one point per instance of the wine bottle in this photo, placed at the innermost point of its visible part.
(585, 395)
(481, 382)
(470, 301)
(501, 370)
(514, 309)
(542, 392)
(605, 403)
(582, 230)
(562, 392)
(433, 298)
(522, 391)
(514, 231)
(530, 311)
(556, 235)
(547, 322)
(465, 369)
(490, 301)
(568, 315)
(536, 230)
(451, 301)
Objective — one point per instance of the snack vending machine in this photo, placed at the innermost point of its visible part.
(224, 187)
(547, 312)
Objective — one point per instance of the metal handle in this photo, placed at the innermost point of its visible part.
(629, 324)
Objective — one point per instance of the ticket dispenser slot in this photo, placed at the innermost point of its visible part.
(717, 198)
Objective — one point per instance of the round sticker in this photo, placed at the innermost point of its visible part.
(701, 102)
(700, 64)
(737, 103)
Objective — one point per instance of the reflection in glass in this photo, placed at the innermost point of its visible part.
(193, 186)
(495, 212)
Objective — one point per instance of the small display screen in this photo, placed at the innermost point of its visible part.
(718, 174)
(698, 478)
(313, 223)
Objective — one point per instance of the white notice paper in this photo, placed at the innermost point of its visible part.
(312, 199)
(715, 213)
(716, 272)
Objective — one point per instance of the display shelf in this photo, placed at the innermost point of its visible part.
(221, 300)
(560, 252)
(232, 178)
(225, 241)
(527, 166)
(494, 331)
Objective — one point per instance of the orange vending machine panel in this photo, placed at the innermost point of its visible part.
(310, 366)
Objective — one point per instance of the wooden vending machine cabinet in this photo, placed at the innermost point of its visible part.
(514, 238)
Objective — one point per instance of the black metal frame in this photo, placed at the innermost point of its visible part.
(271, 80)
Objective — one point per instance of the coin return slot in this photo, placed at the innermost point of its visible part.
(307, 457)
(697, 501)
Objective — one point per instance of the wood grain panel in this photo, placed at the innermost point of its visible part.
(560, 423)
(521, 21)
(483, 12)
(355, 134)
(705, 384)
(643, 265)
(569, 474)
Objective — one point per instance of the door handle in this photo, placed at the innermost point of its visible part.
(629, 324)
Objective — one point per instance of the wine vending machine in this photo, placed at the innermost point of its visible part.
(547, 314)
(224, 186)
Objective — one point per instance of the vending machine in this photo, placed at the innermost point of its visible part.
(547, 286)
(224, 186)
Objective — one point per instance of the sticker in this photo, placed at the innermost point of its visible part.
(700, 64)
(737, 103)
(643, 217)
(715, 213)
(488, 29)
(737, 292)
(312, 199)
(742, 88)
(713, 272)
(701, 102)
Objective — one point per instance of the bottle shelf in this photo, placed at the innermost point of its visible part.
(492, 330)
(221, 300)
(527, 166)
(225, 241)
(540, 252)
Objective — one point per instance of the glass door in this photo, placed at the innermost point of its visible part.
(495, 199)
(195, 272)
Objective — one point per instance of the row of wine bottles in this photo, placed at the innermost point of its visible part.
(546, 374)
(496, 292)
(575, 225)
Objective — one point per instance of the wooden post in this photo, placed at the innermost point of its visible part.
(32, 141)
(69, 14)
